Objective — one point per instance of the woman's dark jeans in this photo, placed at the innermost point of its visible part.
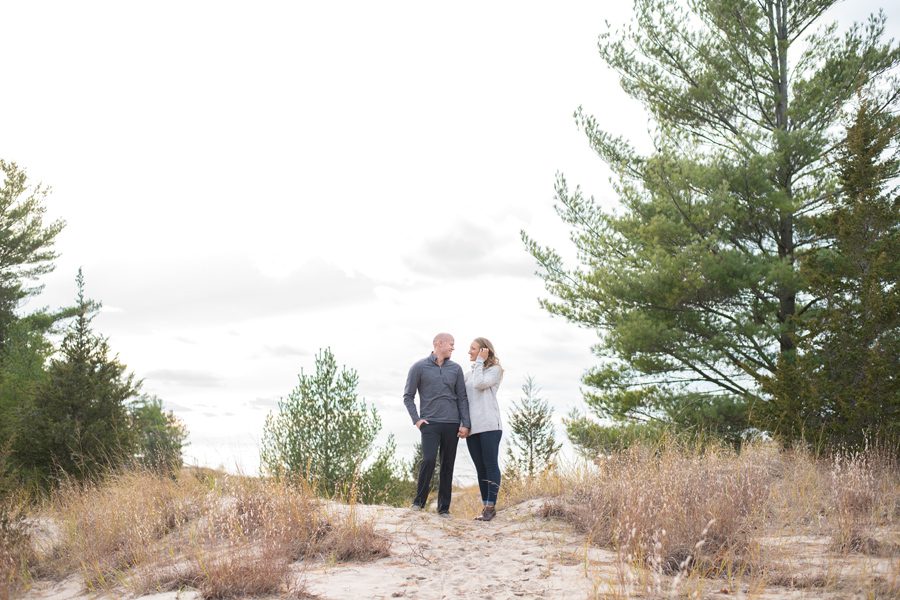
(484, 448)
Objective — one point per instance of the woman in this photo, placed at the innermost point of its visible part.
(483, 440)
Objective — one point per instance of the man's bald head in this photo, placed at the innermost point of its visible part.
(443, 346)
(442, 337)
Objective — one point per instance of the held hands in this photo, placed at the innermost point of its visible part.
(462, 433)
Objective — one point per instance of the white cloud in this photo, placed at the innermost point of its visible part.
(469, 251)
(185, 378)
(218, 290)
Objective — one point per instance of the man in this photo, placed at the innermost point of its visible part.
(442, 419)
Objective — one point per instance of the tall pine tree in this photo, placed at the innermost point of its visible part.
(695, 286)
(79, 424)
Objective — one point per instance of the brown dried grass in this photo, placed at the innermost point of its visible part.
(114, 525)
(225, 536)
(248, 544)
(747, 518)
(673, 508)
(16, 551)
(864, 493)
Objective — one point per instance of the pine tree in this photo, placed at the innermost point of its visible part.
(79, 423)
(322, 430)
(532, 433)
(695, 285)
(25, 241)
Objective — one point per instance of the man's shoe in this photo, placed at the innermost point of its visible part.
(415, 508)
(488, 513)
(444, 515)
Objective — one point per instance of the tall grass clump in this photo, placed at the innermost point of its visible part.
(116, 524)
(672, 507)
(551, 482)
(289, 517)
(252, 532)
(799, 498)
(864, 493)
(245, 544)
(16, 551)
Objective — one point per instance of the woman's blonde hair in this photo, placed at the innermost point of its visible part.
(492, 358)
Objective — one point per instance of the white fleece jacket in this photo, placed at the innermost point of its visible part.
(481, 388)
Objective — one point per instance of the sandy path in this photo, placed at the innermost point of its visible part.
(517, 555)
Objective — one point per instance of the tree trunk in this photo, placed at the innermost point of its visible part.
(786, 293)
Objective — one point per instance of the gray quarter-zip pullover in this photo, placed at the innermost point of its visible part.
(442, 392)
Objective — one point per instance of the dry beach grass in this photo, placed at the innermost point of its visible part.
(664, 521)
(225, 536)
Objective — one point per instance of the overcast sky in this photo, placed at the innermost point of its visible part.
(246, 183)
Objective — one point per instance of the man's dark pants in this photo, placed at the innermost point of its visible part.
(434, 436)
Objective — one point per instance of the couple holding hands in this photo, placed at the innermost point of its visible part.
(455, 405)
